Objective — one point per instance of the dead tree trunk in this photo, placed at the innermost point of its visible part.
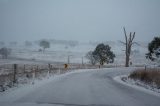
(128, 43)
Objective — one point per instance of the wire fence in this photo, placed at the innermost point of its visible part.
(12, 74)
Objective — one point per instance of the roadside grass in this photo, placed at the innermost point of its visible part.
(149, 76)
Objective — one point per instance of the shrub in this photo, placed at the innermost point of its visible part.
(151, 76)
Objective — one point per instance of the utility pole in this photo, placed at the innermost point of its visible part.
(82, 61)
(69, 59)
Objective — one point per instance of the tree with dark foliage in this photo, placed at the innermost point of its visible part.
(103, 54)
(154, 49)
(44, 44)
(5, 52)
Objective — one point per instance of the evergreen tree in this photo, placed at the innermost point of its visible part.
(103, 54)
(154, 49)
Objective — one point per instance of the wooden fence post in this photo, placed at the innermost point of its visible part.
(24, 69)
(49, 70)
(145, 67)
(14, 73)
(33, 75)
(49, 67)
(37, 69)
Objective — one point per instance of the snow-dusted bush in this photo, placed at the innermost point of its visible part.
(154, 50)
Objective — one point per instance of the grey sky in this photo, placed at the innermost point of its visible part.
(85, 20)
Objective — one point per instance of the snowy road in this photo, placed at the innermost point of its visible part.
(83, 88)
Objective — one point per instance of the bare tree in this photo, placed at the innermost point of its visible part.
(91, 58)
(128, 44)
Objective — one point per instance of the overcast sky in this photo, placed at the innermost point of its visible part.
(83, 20)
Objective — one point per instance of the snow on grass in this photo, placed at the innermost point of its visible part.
(59, 53)
(123, 79)
(21, 90)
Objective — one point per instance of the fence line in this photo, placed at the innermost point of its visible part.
(12, 74)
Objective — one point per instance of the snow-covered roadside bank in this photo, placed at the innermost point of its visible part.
(23, 89)
(19, 91)
(123, 79)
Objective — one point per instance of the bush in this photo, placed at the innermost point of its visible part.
(151, 76)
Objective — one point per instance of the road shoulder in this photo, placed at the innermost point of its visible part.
(140, 88)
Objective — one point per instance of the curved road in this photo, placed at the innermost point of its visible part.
(86, 88)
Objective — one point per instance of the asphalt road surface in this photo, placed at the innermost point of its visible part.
(86, 88)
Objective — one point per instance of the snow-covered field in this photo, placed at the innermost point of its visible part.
(76, 54)
(59, 54)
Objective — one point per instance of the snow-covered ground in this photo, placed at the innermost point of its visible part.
(81, 88)
(7, 97)
(138, 85)
(59, 53)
